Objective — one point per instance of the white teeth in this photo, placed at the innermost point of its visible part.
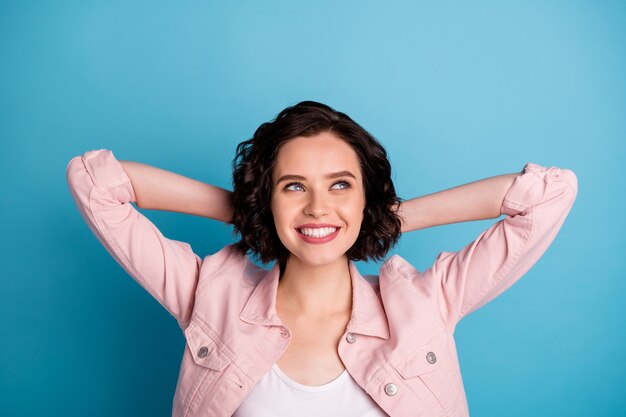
(318, 232)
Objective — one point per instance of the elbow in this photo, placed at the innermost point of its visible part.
(570, 178)
(74, 166)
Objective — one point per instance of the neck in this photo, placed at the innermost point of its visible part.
(315, 290)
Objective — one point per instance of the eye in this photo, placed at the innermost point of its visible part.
(341, 185)
(294, 186)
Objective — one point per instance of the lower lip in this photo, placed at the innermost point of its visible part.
(325, 239)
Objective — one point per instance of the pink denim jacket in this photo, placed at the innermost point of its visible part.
(398, 344)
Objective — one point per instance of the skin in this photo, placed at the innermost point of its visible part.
(315, 292)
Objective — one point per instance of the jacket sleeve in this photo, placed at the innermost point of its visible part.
(166, 268)
(536, 206)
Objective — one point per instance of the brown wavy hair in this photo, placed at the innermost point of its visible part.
(252, 183)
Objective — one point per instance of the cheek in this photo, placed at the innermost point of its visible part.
(275, 207)
(280, 215)
(355, 216)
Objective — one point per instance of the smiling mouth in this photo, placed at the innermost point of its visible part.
(317, 232)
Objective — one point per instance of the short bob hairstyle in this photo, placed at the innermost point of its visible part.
(252, 183)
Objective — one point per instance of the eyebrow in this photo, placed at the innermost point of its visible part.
(328, 176)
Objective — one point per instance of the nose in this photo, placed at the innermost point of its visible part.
(316, 206)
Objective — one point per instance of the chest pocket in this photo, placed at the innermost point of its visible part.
(204, 350)
(431, 366)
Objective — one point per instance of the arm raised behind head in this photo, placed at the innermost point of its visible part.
(103, 189)
(536, 203)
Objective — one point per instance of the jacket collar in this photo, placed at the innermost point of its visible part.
(368, 316)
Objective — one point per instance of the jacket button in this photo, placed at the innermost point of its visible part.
(203, 351)
(351, 338)
(431, 358)
(391, 389)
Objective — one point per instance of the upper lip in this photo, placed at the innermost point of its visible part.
(316, 226)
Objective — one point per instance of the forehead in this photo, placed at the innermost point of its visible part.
(316, 155)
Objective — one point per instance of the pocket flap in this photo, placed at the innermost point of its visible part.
(203, 349)
(426, 358)
(417, 365)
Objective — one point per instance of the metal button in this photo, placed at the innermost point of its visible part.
(431, 358)
(391, 389)
(203, 351)
(351, 338)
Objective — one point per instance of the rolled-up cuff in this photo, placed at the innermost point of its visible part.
(527, 189)
(107, 175)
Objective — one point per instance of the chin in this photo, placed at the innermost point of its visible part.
(319, 259)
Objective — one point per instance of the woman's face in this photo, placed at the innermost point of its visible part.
(317, 198)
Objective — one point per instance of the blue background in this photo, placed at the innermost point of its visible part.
(455, 91)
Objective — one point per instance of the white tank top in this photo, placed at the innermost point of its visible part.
(277, 395)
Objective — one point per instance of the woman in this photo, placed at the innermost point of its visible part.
(313, 191)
